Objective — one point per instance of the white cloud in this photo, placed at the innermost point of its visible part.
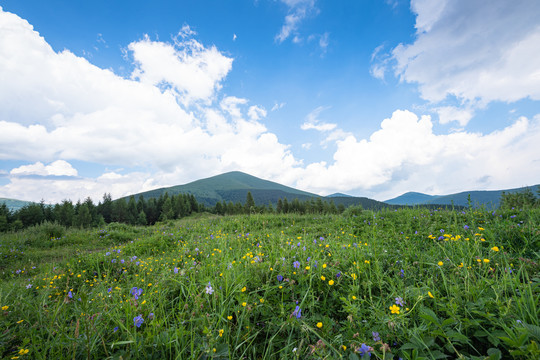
(448, 114)
(169, 117)
(298, 10)
(56, 168)
(277, 106)
(192, 71)
(313, 122)
(407, 154)
(476, 51)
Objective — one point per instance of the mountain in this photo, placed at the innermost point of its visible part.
(338, 195)
(234, 186)
(13, 204)
(488, 198)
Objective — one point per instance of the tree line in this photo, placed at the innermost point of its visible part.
(141, 211)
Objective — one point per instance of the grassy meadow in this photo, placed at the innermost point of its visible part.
(409, 283)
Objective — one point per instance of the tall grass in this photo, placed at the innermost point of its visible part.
(414, 284)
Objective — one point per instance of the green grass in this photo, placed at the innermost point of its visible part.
(227, 288)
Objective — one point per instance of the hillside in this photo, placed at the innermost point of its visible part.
(488, 198)
(234, 186)
(13, 204)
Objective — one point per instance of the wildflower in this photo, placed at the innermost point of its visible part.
(244, 303)
(307, 267)
(343, 347)
(364, 350)
(244, 289)
(402, 273)
(20, 321)
(109, 290)
(354, 297)
(331, 282)
(261, 300)
(466, 227)
(324, 266)
(70, 294)
(495, 248)
(297, 312)
(376, 336)
(209, 289)
(229, 317)
(319, 325)
(138, 320)
(28, 286)
(440, 263)
(481, 228)
(296, 264)
(221, 332)
(23, 351)
(115, 329)
(430, 294)
(399, 301)
(150, 316)
(279, 278)
(354, 276)
(323, 278)
(175, 270)
(394, 309)
(486, 260)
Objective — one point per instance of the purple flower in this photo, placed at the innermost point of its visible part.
(109, 290)
(297, 312)
(209, 289)
(70, 294)
(400, 302)
(376, 336)
(466, 227)
(279, 278)
(176, 270)
(296, 264)
(364, 349)
(138, 320)
(402, 273)
(28, 286)
(150, 316)
(338, 275)
(136, 292)
(115, 329)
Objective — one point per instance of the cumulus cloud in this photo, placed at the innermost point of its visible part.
(477, 51)
(406, 153)
(448, 114)
(191, 70)
(167, 116)
(56, 168)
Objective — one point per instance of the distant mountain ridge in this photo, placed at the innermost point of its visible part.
(488, 198)
(234, 186)
(13, 204)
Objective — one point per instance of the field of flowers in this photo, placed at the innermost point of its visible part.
(410, 284)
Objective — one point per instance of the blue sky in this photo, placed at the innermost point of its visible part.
(370, 98)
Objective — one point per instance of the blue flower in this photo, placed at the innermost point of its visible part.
(136, 292)
(400, 302)
(296, 264)
(138, 320)
(297, 312)
(176, 270)
(376, 336)
(115, 329)
(279, 278)
(364, 349)
(70, 294)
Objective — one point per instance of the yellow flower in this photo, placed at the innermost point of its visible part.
(244, 303)
(307, 267)
(343, 347)
(366, 261)
(281, 287)
(323, 278)
(481, 228)
(331, 282)
(440, 263)
(354, 297)
(144, 302)
(23, 351)
(4, 308)
(495, 248)
(430, 294)
(319, 325)
(394, 309)
(261, 300)
(486, 260)
(243, 289)
(354, 276)
(150, 284)
(324, 266)
(229, 317)
(20, 321)
(220, 332)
